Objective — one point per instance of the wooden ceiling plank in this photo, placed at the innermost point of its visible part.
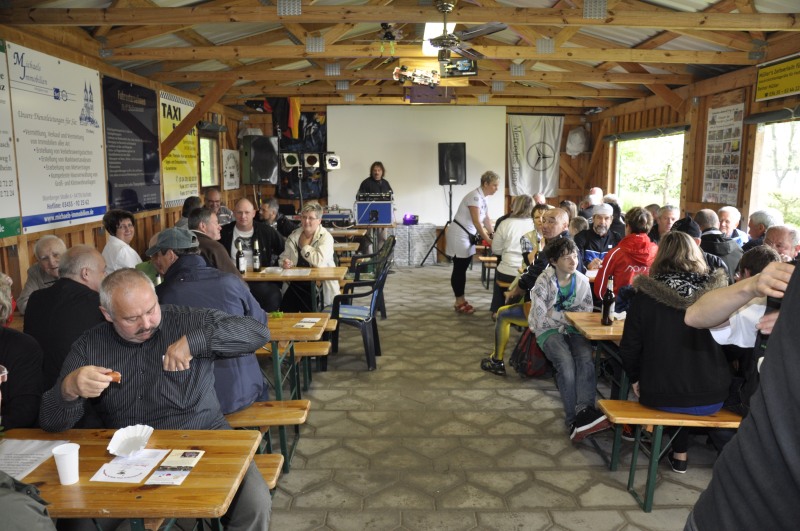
(72, 38)
(373, 50)
(205, 14)
(662, 91)
(194, 116)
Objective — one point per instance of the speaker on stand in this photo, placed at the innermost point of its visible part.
(452, 170)
(260, 159)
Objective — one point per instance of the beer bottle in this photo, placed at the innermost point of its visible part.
(241, 261)
(256, 256)
(608, 302)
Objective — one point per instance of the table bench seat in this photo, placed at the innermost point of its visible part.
(621, 412)
(264, 415)
(269, 465)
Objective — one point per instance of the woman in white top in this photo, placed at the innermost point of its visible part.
(120, 228)
(309, 246)
(507, 242)
(472, 217)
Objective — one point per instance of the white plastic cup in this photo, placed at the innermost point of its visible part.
(66, 456)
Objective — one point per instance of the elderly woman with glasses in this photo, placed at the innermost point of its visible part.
(44, 273)
(118, 253)
(309, 246)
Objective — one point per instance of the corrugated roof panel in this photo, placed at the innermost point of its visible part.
(690, 43)
(225, 33)
(624, 37)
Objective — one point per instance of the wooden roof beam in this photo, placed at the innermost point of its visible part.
(204, 14)
(318, 74)
(373, 50)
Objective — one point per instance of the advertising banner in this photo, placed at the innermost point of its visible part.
(132, 158)
(180, 167)
(58, 132)
(533, 159)
(9, 200)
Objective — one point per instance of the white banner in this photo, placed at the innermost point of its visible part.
(230, 169)
(533, 144)
(9, 201)
(59, 136)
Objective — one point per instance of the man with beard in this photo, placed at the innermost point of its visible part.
(594, 242)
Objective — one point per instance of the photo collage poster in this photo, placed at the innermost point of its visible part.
(723, 154)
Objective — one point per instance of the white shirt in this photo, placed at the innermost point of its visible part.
(119, 254)
(507, 242)
(458, 244)
(741, 327)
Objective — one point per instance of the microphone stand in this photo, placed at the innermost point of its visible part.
(444, 229)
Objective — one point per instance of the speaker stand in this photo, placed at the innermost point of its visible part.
(444, 229)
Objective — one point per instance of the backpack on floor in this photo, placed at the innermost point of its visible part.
(527, 358)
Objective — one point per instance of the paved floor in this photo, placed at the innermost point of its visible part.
(431, 442)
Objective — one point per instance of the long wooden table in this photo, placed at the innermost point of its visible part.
(282, 337)
(347, 233)
(607, 339)
(207, 491)
(311, 274)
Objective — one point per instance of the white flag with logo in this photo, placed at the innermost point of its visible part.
(533, 144)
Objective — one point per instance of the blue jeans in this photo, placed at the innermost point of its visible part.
(571, 355)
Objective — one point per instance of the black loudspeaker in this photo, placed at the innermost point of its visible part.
(452, 163)
(260, 159)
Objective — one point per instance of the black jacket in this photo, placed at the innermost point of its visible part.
(676, 365)
(56, 317)
(270, 243)
(725, 248)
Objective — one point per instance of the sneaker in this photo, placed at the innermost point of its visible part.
(677, 466)
(628, 433)
(494, 366)
(589, 421)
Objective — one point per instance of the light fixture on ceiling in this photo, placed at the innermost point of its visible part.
(349, 98)
(434, 29)
(333, 69)
(342, 84)
(498, 86)
(483, 98)
(595, 9)
(289, 8)
(545, 45)
(517, 69)
(315, 44)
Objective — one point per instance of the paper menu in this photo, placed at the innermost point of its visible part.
(19, 457)
(175, 467)
(131, 469)
(307, 322)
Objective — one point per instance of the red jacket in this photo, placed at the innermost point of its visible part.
(632, 256)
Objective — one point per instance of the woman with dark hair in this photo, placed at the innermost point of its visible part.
(673, 366)
(471, 220)
(120, 229)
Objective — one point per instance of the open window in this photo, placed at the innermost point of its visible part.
(649, 169)
(209, 161)
(776, 169)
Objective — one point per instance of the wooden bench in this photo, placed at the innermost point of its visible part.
(621, 412)
(274, 413)
(488, 264)
(303, 350)
(270, 466)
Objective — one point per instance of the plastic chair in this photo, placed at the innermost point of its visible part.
(346, 312)
(362, 264)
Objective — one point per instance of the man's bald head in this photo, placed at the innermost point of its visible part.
(707, 219)
(245, 213)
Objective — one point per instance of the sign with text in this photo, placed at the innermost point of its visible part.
(9, 200)
(723, 154)
(181, 165)
(230, 169)
(58, 132)
(778, 79)
(132, 158)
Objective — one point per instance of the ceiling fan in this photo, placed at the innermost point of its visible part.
(455, 42)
